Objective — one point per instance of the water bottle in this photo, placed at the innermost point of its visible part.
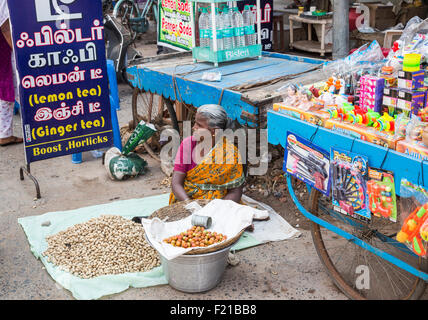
(247, 16)
(254, 23)
(219, 33)
(227, 29)
(204, 28)
(238, 28)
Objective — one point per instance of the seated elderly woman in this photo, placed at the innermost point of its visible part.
(208, 173)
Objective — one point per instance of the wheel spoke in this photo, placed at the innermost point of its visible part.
(341, 256)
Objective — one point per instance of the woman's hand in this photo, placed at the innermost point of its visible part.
(234, 194)
(177, 184)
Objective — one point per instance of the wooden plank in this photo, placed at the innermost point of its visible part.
(312, 46)
(160, 57)
(311, 21)
(269, 93)
(179, 110)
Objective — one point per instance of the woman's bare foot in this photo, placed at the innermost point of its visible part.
(10, 140)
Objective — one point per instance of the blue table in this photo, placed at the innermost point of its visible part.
(402, 165)
(178, 78)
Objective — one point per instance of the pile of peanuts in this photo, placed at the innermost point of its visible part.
(108, 244)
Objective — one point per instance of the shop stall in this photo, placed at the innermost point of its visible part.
(245, 88)
(357, 140)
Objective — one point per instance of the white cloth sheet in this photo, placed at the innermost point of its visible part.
(228, 218)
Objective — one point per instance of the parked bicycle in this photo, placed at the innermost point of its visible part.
(134, 18)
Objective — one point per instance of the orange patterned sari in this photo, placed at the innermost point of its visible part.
(210, 180)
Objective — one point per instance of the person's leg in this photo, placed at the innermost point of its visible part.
(6, 120)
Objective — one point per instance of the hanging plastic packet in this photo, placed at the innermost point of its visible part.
(414, 129)
(401, 123)
(414, 217)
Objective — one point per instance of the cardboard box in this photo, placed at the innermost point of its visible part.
(314, 117)
(410, 102)
(364, 133)
(389, 101)
(371, 92)
(410, 80)
(415, 149)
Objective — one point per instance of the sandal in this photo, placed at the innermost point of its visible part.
(12, 140)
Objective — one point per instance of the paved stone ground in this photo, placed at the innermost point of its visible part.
(282, 270)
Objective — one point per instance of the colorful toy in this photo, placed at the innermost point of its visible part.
(385, 123)
(291, 95)
(424, 231)
(410, 231)
(371, 92)
(315, 91)
(387, 73)
(412, 62)
(328, 84)
(381, 193)
(410, 102)
(305, 100)
(389, 101)
(307, 162)
(341, 112)
(369, 134)
(423, 114)
(364, 117)
(349, 184)
(410, 80)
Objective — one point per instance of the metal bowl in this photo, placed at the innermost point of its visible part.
(196, 273)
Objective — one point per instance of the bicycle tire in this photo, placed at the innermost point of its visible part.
(123, 17)
(343, 281)
(149, 112)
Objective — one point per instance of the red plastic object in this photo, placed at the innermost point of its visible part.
(353, 15)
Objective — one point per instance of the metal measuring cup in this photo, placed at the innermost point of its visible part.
(202, 221)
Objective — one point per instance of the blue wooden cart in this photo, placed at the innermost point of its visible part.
(350, 249)
(246, 89)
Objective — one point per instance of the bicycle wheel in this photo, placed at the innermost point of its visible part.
(125, 10)
(346, 262)
(152, 108)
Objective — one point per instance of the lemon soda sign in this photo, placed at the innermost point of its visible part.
(60, 55)
(174, 27)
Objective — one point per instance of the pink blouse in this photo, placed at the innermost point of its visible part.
(183, 160)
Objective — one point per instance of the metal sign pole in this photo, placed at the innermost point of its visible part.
(27, 172)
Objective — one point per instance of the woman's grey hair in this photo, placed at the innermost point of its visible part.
(216, 116)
